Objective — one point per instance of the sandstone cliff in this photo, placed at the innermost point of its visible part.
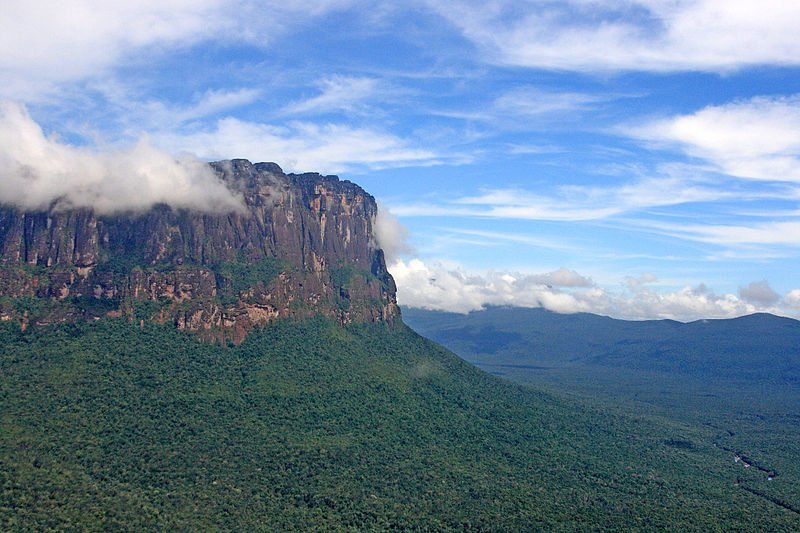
(302, 245)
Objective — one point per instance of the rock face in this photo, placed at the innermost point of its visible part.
(302, 245)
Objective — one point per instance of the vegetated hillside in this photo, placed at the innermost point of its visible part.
(739, 378)
(129, 426)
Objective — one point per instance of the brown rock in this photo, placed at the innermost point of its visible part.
(302, 245)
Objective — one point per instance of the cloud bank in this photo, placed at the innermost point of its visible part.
(38, 172)
(450, 288)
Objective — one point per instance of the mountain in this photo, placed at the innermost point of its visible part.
(250, 371)
(302, 245)
(738, 377)
(759, 346)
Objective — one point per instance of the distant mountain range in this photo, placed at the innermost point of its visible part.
(760, 346)
(737, 378)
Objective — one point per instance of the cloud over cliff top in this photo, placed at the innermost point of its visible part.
(40, 172)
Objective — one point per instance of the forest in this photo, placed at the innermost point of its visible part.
(129, 426)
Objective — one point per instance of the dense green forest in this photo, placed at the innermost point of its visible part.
(738, 378)
(307, 425)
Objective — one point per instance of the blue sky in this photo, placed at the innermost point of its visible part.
(634, 158)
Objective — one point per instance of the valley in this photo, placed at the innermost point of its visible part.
(747, 399)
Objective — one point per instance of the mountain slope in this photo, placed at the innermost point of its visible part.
(113, 425)
(739, 378)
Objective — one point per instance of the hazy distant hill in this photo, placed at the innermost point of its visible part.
(760, 346)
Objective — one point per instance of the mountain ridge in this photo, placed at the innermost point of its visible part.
(758, 344)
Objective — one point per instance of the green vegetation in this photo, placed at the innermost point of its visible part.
(119, 265)
(307, 425)
(242, 275)
(737, 379)
(344, 274)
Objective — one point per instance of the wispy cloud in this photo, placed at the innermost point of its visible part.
(752, 139)
(651, 35)
(157, 115)
(783, 233)
(572, 202)
(304, 146)
(534, 102)
(495, 237)
(337, 93)
(528, 107)
(48, 43)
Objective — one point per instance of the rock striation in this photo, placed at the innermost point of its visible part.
(302, 244)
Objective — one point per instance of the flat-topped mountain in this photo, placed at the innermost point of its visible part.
(300, 245)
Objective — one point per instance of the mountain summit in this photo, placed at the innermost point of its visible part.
(301, 245)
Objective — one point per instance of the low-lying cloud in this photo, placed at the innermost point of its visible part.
(390, 235)
(449, 288)
(39, 172)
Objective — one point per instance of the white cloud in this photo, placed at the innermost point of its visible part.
(303, 146)
(491, 238)
(37, 172)
(338, 93)
(785, 233)
(759, 293)
(685, 304)
(533, 102)
(156, 115)
(573, 202)
(563, 277)
(436, 285)
(211, 102)
(439, 286)
(45, 43)
(652, 35)
(755, 139)
(390, 235)
(792, 299)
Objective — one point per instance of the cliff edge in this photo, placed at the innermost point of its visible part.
(301, 245)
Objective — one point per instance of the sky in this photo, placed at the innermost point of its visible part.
(632, 158)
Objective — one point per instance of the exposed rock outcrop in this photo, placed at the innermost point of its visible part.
(301, 245)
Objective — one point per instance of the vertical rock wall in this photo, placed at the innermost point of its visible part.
(300, 245)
